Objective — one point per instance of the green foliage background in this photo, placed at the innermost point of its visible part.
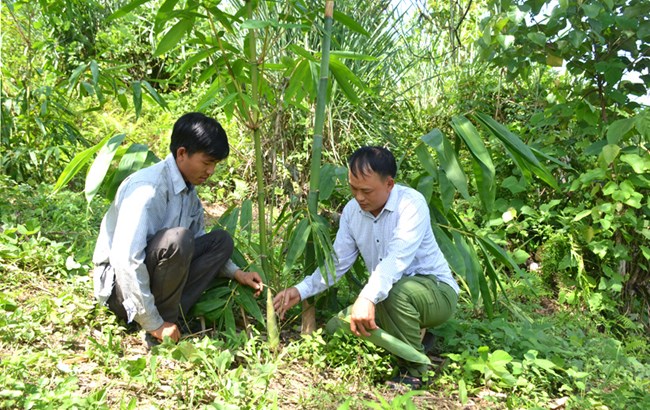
(518, 120)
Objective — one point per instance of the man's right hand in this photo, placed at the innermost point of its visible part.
(167, 329)
(285, 300)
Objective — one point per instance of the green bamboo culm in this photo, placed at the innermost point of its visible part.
(308, 313)
(321, 100)
(253, 118)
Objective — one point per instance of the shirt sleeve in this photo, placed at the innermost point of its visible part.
(345, 254)
(140, 211)
(411, 228)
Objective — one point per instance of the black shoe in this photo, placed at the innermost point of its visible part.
(428, 341)
(406, 380)
(150, 340)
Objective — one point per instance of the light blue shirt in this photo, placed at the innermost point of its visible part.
(149, 200)
(396, 243)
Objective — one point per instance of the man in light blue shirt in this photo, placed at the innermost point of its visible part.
(410, 285)
(153, 256)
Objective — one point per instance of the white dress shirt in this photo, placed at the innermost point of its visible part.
(396, 243)
(149, 200)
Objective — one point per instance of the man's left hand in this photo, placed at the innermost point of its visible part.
(362, 317)
(251, 279)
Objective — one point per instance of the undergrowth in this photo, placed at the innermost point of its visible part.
(60, 350)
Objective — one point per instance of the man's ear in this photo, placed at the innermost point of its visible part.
(391, 182)
(181, 152)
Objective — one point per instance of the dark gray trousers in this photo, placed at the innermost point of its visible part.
(180, 268)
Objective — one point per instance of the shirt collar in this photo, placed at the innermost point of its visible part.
(178, 183)
(390, 206)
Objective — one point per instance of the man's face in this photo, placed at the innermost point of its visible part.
(371, 191)
(195, 168)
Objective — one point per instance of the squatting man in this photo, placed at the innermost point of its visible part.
(153, 258)
(410, 286)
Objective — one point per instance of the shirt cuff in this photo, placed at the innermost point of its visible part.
(372, 294)
(149, 322)
(304, 290)
(229, 269)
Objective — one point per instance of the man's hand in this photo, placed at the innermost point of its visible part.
(251, 279)
(285, 300)
(167, 329)
(362, 317)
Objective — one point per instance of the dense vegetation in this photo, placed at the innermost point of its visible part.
(524, 123)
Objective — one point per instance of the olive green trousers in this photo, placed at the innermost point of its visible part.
(414, 303)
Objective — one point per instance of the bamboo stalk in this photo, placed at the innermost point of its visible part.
(308, 311)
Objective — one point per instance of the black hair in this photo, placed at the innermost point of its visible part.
(373, 159)
(199, 133)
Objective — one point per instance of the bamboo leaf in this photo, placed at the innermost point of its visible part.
(343, 77)
(426, 160)
(297, 244)
(246, 217)
(244, 298)
(380, 338)
(448, 160)
(353, 56)
(302, 52)
(137, 97)
(471, 272)
(484, 172)
(123, 11)
(173, 36)
(99, 167)
(78, 162)
(517, 148)
(350, 23)
(499, 253)
(452, 253)
(154, 94)
(133, 159)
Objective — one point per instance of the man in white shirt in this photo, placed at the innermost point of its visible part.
(410, 285)
(153, 256)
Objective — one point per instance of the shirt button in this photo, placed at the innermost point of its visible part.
(380, 259)
(377, 240)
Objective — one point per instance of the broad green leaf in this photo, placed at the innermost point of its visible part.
(173, 36)
(451, 252)
(349, 22)
(246, 217)
(538, 38)
(244, 297)
(471, 273)
(447, 191)
(426, 160)
(521, 152)
(425, 186)
(380, 338)
(483, 167)
(94, 69)
(639, 165)
(123, 11)
(78, 162)
(448, 160)
(609, 153)
(352, 55)
(257, 24)
(500, 254)
(133, 159)
(137, 97)
(344, 78)
(98, 169)
(154, 94)
(302, 52)
(297, 244)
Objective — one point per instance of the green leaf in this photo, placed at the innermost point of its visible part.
(78, 162)
(133, 160)
(257, 24)
(609, 153)
(345, 78)
(448, 160)
(639, 165)
(174, 35)
(483, 167)
(154, 94)
(426, 160)
(137, 97)
(451, 251)
(297, 244)
(98, 169)
(123, 11)
(302, 52)
(538, 38)
(352, 55)
(499, 253)
(350, 23)
(246, 217)
(380, 338)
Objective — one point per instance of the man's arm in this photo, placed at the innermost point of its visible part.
(136, 209)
